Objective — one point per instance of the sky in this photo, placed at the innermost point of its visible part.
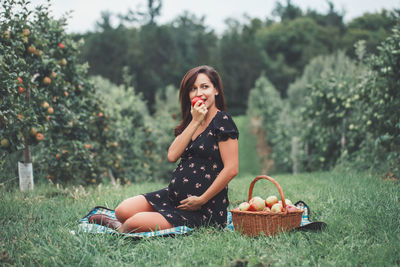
(85, 13)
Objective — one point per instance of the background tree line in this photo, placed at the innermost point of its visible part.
(278, 47)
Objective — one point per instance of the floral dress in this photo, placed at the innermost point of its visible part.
(199, 166)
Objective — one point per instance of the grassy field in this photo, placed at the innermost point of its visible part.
(362, 213)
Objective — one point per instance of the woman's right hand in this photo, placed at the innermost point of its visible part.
(199, 111)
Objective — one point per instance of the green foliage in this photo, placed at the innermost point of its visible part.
(271, 115)
(165, 119)
(158, 55)
(46, 96)
(373, 28)
(381, 98)
(343, 112)
(320, 67)
(240, 62)
(141, 141)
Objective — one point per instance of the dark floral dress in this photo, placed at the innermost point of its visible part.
(199, 166)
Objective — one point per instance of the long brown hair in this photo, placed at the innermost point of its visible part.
(187, 83)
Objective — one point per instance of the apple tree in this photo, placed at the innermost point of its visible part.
(47, 99)
(380, 94)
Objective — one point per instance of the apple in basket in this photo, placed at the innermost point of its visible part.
(291, 208)
(266, 209)
(287, 201)
(256, 204)
(270, 201)
(277, 208)
(244, 206)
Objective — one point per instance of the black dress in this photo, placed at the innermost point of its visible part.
(199, 166)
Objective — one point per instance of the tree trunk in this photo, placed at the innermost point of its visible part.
(25, 169)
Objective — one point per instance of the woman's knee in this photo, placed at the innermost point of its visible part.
(130, 206)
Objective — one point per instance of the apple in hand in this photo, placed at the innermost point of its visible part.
(277, 208)
(195, 99)
(244, 206)
(256, 204)
(270, 201)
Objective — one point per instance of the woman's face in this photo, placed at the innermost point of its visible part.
(204, 88)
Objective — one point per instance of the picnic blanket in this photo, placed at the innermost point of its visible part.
(86, 227)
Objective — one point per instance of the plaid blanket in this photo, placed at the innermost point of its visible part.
(86, 227)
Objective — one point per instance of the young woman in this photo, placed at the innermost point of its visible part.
(207, 145)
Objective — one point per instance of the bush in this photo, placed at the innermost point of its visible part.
(141, 140)
(380, 111)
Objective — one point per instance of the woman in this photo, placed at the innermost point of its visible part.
(207, 144)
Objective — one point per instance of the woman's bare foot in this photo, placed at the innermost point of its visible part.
(104, 220)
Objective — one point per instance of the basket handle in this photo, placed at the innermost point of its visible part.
(260, 177)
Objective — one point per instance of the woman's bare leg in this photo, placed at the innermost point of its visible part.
(131, 206)
(145, 222)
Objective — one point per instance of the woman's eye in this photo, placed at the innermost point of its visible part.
(204, 86)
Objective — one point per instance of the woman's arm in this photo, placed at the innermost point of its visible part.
(230, 157)
(180, 143)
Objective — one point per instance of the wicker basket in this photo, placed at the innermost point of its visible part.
(254, 223)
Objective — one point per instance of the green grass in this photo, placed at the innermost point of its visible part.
(248, 158)
(362, 213)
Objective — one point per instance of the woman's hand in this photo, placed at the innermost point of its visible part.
(191, 203)
(199, 111)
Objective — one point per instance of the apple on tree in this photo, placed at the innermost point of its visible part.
(46, 80)
(45, 105)
(5, 143)
(39, 136)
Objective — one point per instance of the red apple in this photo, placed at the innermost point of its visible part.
(19, 80)
(46, 80)
(291, 208)
(31, 49)
(270, 201)
(21, 90)
(45, 104)
(257, 204)
(39, 136)
(61, 45)
(244, 206)
(276, 208)
(195, 99)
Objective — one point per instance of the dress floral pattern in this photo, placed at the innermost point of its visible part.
(199, 166)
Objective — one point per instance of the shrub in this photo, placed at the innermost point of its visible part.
(141, 140)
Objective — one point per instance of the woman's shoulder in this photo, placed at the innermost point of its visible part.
(225, 126)
(223, 115)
